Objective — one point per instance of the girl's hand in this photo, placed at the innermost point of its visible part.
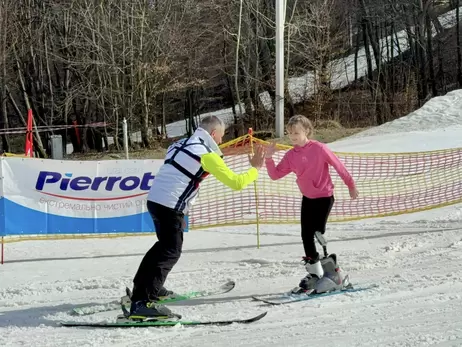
(353, 193)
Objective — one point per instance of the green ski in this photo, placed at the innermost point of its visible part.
(125, 301)
(161, 323)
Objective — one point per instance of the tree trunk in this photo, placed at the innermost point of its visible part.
(459, 54)
(430, 56)
(3, 60)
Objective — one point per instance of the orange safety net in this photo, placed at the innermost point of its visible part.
(389, 184)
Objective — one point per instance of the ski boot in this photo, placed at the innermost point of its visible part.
(126, 301)
(333, 278)
(324, 275)
(164, 294)
(315, 271)
(150, 310)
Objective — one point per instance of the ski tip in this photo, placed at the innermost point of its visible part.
(265, 301)
(128, 292)
(268, 301)
(228, 286)
(76, 312)
(261, 315)
(253, 319)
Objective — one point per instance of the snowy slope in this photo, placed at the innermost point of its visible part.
(436, 125)
(415, 260)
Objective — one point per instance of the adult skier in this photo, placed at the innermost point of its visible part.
(170, 198)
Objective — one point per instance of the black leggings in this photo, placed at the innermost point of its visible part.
(314, 215)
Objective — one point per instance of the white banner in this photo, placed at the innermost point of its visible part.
(50, 196)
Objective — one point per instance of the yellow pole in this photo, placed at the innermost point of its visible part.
(256, 192)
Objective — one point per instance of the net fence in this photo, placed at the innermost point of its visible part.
(389, 184)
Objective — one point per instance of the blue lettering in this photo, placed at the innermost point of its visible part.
(47, 177)
(108, 183)
(97, 181)
(145, 181)
(135, 183)
(111, 181)
(64, 183)
(80, 183)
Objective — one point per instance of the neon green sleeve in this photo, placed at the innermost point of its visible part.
(216, 166)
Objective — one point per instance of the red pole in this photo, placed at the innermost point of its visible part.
(29, 137)
(250, 133)
(77, 134)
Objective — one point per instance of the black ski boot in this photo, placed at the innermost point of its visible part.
(166, 294)
(150, 310)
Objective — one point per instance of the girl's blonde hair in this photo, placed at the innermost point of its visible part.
(304, 122)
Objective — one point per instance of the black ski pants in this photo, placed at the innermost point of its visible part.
(314, 215)
(160, 259)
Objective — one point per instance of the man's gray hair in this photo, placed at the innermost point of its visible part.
(210, 123)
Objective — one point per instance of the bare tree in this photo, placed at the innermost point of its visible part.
(5, 10)
(83, 62)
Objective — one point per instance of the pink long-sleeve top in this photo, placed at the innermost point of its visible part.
(310, 163)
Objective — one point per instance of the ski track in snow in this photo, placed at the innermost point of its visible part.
(416, 302)
(413, 259)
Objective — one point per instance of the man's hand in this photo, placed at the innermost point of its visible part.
(258, 157)
(270, 150)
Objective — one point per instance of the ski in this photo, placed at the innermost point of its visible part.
(115, 305)
(162, 323)
(289, 297)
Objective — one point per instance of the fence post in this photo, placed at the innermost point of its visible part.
(256, 192)
(125, 130)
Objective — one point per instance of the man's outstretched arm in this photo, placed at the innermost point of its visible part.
(216, 166)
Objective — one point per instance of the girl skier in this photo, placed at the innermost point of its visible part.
(310, 160)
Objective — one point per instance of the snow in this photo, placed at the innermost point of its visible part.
(414, 259)
(446, 112)
(393, 143)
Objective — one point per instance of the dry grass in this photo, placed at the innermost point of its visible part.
(158, 153)
(329, 135)
(325, 133)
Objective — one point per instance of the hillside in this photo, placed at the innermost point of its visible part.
(411, 260)
(86, 66)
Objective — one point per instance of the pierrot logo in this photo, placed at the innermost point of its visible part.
(85, 188)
